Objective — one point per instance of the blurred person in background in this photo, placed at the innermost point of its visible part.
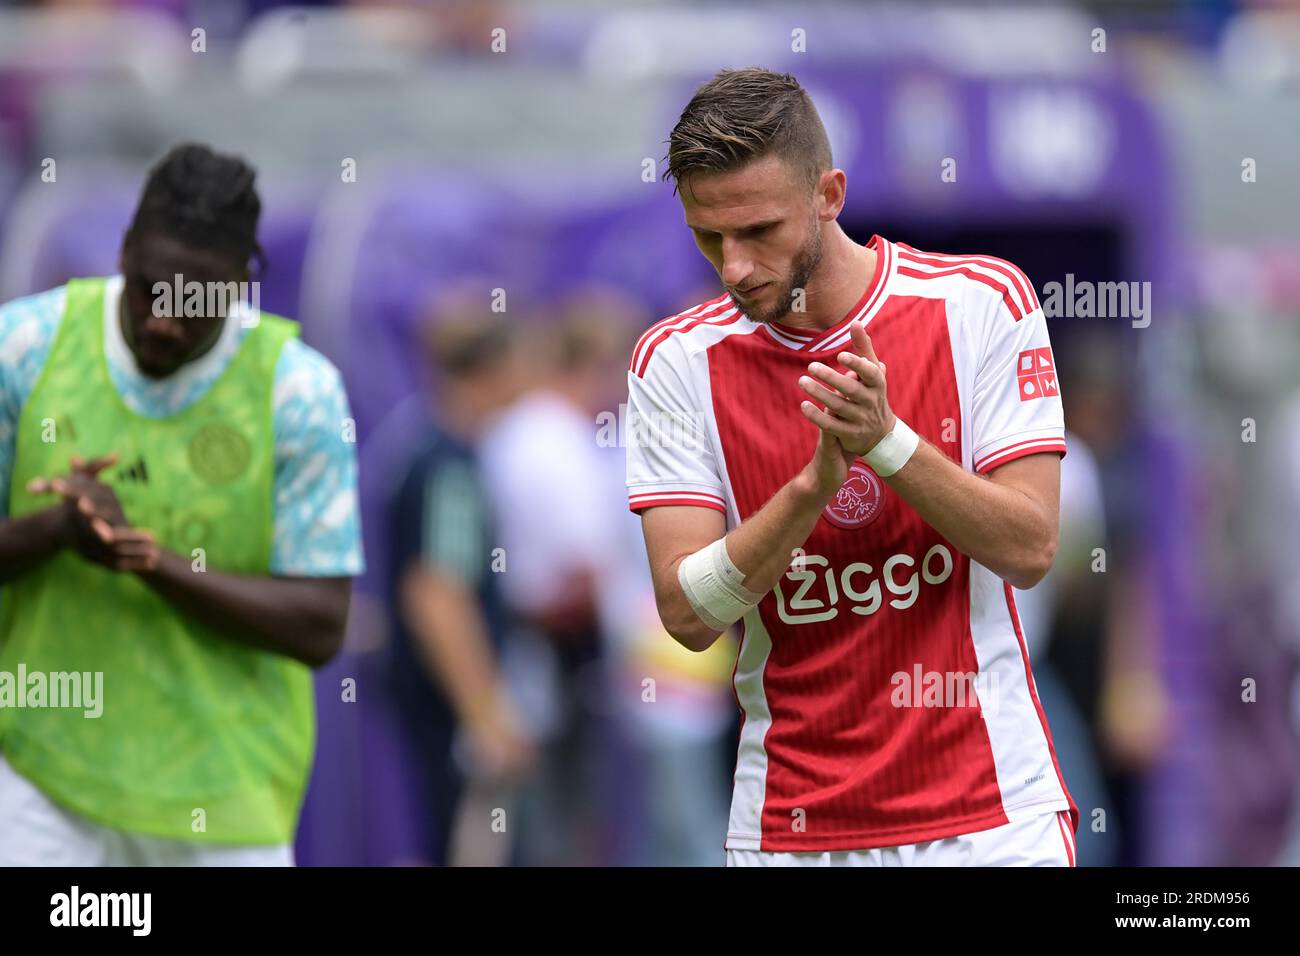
(1064, 601)
(544, 472)
(182, 520)
(674, 710)
(1105, 646)
(444, 588)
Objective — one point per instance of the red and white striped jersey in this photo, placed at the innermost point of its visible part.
(885, 684)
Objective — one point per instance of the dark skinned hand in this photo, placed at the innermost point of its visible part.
(96, 525)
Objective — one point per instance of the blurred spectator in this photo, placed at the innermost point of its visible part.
(1072, 584)
(448, 614)
(1106, 639)
(676, 709)
(544, 473)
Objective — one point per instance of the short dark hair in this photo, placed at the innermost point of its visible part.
(460, 335)
(741, 115)
(205, 199)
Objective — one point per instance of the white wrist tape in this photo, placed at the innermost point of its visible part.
(893, 451)
(715, 587)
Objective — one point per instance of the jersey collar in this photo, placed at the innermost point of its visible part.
(806, 340)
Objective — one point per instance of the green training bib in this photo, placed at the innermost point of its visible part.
(199, 738)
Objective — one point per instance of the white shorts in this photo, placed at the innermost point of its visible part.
(1041, 840)
(36, 831)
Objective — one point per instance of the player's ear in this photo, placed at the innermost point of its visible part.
(830, 194)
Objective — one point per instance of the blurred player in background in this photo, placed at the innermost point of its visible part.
(1054, 611)
(866, 531)
(180, 493)
(676, 711)
(543, 473)
(445, 567)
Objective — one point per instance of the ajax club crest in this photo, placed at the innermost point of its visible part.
(859, 500)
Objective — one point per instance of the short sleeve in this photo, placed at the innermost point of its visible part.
(317, 529)
(452, 521)
(670, 459)
(28, 327)
(1016, 407)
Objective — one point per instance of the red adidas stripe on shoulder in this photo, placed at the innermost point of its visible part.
(1007, 268)
(1017, 291)
(716, 315)
(1017, 273)
(662, 324)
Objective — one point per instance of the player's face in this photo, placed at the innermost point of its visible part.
(162, 341)
(759, 227)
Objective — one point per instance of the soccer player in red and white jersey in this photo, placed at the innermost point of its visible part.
(855, 454)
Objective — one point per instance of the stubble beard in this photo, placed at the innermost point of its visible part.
(802, 269)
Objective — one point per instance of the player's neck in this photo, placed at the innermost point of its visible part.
(845, 272)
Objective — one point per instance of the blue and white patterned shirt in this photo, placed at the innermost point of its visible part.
(317, 529)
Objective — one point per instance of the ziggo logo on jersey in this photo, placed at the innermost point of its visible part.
(935, 568)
